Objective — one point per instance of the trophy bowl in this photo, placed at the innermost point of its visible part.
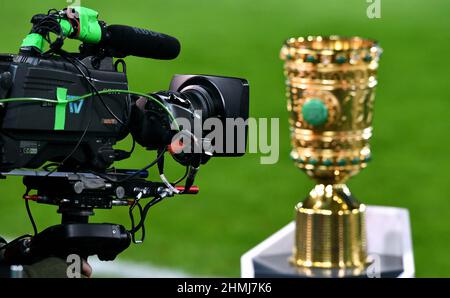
(331, 90)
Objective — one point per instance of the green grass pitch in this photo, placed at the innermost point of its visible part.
(241, 201)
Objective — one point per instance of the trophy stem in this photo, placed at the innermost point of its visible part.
(330, 229)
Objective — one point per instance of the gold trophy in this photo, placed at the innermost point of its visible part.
(331, 90)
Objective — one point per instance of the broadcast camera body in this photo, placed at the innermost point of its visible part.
(70, 109)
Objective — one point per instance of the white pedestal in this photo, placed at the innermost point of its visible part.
(388, 234)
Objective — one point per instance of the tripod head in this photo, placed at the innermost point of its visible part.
(77, 195)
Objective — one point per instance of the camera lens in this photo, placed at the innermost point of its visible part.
(204, 98)
(190, 98)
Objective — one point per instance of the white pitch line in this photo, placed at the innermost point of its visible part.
(129, 269)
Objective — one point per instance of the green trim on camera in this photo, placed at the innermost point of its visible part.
(66, 27)
(34, 40)
(60, 109)
(90, 30)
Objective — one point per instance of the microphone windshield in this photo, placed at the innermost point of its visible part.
(126, 40)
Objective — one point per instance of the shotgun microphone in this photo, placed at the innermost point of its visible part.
(131, 41)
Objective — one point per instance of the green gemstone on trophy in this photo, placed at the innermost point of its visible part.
(367, 58)
(315, 112)
(327, 162)
(355, 160)
(310, 58)
(342, 162)
(312, 161)
(341, 59)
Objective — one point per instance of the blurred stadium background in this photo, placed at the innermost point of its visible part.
(241, 201)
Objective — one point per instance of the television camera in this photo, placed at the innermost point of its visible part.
(62, 113)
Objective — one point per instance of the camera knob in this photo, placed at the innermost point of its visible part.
(78, 187)
(120, 192)
(6, 80)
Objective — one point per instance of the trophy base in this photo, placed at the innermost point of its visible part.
(276, 266)
(389, 248)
